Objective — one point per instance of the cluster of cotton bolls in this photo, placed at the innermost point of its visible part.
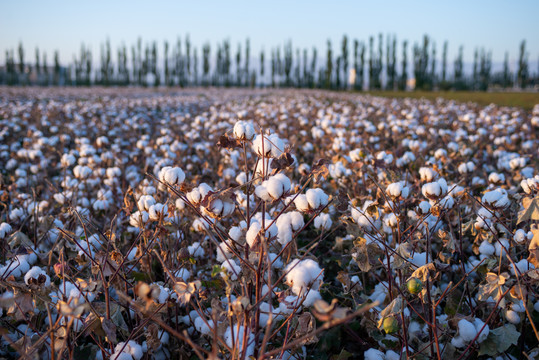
(101, 196)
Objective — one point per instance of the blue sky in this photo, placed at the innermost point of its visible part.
(59, 24)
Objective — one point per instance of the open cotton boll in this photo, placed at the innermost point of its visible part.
(310, 297)
(145, 201)
(427, 174)
(203, 327)
(121, 356)
(323, 221)
(138, 219)
(278, 185)
(316, 198)
(398, 189)
(183, 274)
(391, 355)
(37, 276)
(499, 248)
(431, 190)
(172, 175)
(244, 130)
(486, 248)
(512, 316)
(523, 266)
(198, 194)
(496, 178)
(467, 330)
(232, 268)
(131, 348)
(5, 229)
(520, 236)
(234, 337)
(196, 250)
(301, 202)
(496, 198)
(478, 323)
(374, 354)
(157, 211)
(262, 146)
(301, 274)
(277, 145)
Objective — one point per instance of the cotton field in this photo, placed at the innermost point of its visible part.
(266, 224)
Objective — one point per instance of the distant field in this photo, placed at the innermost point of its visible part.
(525, 100)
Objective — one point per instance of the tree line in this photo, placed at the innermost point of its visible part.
(357, 65)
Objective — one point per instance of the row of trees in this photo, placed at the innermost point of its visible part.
(180, 66)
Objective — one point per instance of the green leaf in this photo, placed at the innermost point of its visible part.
(499, 340)
(140, 276)
(344, 355)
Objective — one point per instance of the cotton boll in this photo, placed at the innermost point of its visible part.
(424, 207)
(235, 233)
(121, 356)
(323, 221)
(35, 274)
(316, 198)
(458, 342)
(512, 316)
(196, 250)
(391, 355)
(5, 229)
(138, 219)
(172, 175)
(431, 190)
(252, 234)
(232, 268)
(301, 202)
(523, 266)
(499, 248)
(276, 261)
(300, 274)
(486, 248)
(478, 323)
(183, 274)
(244, 130)
(496, 198)
(157, 211)
(262, 146)
(235, 336)
(145, 202)
(311, 297)
(374, 354)
(467, 330)
(204, 327)
(398, 189)
(519, 236)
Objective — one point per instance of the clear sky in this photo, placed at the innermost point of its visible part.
(497, 25)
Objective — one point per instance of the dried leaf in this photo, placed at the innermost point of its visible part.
(282, 162)
(531, 210)
(342, 201)
(422, 272)
(152, 337)
(306, 325)
(23, 305)
(365, 255)
(71, 309)
(228, 142)
(494, 286)
(185, 291)
(393, 308)
(320, 170)
(109, 328)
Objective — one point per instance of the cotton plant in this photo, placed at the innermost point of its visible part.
(255, 236)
